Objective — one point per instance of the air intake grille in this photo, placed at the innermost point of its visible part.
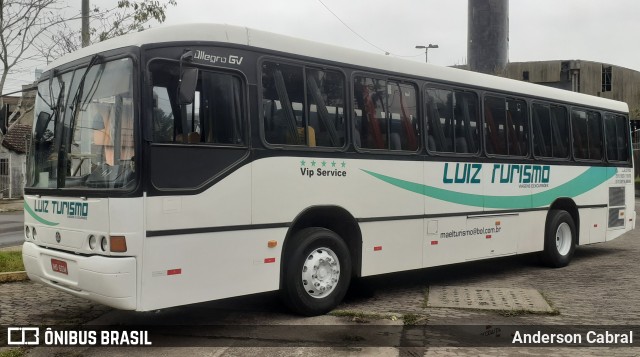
(616, 207)
(616, 196)
(614, 218)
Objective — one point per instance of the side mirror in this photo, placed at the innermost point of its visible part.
(41, 123)
(188, 80)
(187, 86)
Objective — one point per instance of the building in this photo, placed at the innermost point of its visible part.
(594, 78)
(9, 106)
(16, 119)
(13, 160)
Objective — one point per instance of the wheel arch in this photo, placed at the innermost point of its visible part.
(334, 218)
(568, 205)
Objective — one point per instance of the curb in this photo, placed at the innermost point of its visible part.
(13, 276)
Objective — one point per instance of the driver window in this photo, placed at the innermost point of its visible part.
(214, 117)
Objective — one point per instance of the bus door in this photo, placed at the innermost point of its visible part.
(195, 147)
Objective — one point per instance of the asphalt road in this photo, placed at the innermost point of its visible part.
(11, 228)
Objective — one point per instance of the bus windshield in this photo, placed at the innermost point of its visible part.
(83, 132)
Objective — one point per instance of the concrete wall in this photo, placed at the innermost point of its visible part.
(539, 72)
(625, 83)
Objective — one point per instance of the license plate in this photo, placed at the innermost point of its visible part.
(59, 266)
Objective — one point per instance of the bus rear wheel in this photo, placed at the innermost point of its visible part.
(317, 271)
(560, 239)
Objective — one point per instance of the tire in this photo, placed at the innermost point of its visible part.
(559, 240)
(317, 271)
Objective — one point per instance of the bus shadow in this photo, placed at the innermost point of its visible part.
(463, 273)
(268, 306)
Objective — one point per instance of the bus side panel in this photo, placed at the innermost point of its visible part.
(593, 225)
(390, 216)
(530, 231)
(126, 218)
(209, 266)
(227, 203)
(441, 245)
(621, 211)
(391, 246)
(204, 244)
(283, 187)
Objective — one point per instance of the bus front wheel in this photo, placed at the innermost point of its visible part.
(560, 239)
(317, 271)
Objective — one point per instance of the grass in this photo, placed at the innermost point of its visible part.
(12, 352)
(360, 316)
(519, 312)
(413, 319)
(366, 317)
(11, 261)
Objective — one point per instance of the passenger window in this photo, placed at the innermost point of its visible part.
(617, 137)
(283, 94)
(369, 104)
(550, 131)
(402, 116)
(290, 118)
(214, 117)
(506, 126)
(452, 121)
(385, 115)
(325, 105)
(587, 134)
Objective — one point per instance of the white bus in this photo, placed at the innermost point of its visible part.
(199, 162)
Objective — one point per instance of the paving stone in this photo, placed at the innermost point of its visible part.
(487, 298)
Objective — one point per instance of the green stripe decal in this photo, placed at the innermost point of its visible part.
(585, 182)
(38, 218)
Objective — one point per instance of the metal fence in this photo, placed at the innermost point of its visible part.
(5, 178)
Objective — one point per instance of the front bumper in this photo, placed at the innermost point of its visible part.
(108, 280)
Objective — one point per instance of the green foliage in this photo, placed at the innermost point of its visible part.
(104, 23)
(132, 16)
(413, 319)
(11, 261)
(12, 352)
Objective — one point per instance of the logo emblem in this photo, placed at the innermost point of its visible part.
(23, 336)
(58, 237)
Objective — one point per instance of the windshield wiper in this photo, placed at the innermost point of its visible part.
(78, 94)
(68, 136)
(54, 105)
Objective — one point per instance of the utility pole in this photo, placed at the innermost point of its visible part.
(85, 23)
(426, 51)
(488, 36)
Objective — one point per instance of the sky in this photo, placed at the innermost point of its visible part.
(596, 30)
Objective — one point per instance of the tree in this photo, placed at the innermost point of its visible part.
(38, 29)
(128, 16)
(22, 22)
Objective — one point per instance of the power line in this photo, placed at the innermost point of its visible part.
(361, 37)
(350, 29)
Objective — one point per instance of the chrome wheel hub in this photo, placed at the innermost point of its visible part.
(320, 272)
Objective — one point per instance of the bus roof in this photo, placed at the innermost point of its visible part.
(266, 40)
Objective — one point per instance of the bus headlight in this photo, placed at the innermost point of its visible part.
(34, 234)
(92, 242)
(103, 243)
(27, 232)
